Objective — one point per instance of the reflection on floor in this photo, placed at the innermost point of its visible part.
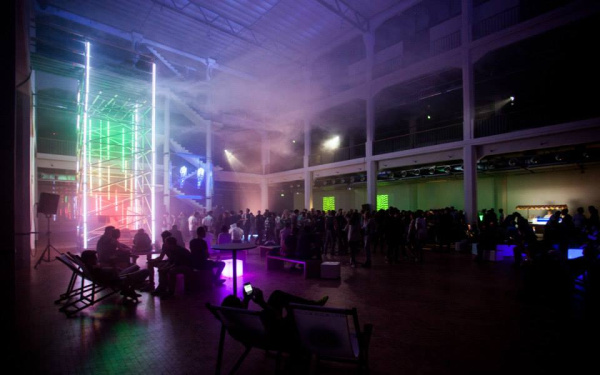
(448, 315)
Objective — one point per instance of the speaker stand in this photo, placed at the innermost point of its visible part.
(48, 246)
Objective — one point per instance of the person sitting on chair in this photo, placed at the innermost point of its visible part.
(180, 261)
(127, 279)
(142, 242)
(200, 256)
(276, 304)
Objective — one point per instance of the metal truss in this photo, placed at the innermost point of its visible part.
(349, 14)
(228, 26)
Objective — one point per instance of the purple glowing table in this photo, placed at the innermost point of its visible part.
(234, 247)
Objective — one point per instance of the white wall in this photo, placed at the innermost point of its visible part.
(505, 191)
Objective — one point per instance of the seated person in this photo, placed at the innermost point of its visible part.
(127, 279)
(291, 242)
(175, 232)
(180, 261)
(142, 242)
(273, 309)
(307, 244)
(200, 256)
(122, 256)
(236, 232)
(224, 236)
(284, 234)
(106, 246)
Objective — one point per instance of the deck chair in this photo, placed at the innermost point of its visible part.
(246, 327)
(332, 334)
(76, 272)
(91, 290)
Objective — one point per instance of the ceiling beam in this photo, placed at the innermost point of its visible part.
(232, 28)
(54, 11)
(348, 13)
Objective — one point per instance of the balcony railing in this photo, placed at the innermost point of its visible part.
(56, 146)
(340, 154)
(445, 43)
(430, 137)
(497, 22)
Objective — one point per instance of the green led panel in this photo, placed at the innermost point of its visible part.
(328, 203)
(382, 202)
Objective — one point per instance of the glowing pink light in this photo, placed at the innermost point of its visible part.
(228, 271)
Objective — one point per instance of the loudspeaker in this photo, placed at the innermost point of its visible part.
(48, 203)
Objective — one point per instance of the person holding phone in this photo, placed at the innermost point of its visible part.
(274, 307)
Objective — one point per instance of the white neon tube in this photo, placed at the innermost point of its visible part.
(153, 188)
(85, 135)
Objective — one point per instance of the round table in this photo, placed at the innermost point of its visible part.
(234, 247)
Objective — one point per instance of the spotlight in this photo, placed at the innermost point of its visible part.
(428, 117)
(416, 172)
(512, 98)
(282, 194)
(559, 157)
(447, 169)
(333, 143)
(512, 162)
(293, 141)
(431, 170)
(534, 160)
(404, 174)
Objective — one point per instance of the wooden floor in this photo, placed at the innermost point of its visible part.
(448, 315)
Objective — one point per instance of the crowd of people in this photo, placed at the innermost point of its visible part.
(400, 235)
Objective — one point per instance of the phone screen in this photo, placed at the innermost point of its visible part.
(248, 289)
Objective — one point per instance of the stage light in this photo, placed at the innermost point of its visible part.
(283, 194)
(404, 174)
(512, 162)
(428, 117)
(431, 170)
(293, 141)
(183, 171)
(512, 98)
(333, 143)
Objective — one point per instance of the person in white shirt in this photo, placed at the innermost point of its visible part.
(208, 221)
(193, 223)
(236, 232)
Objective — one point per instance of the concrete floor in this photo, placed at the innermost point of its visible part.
(448, 315)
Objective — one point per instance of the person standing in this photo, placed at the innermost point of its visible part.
(193, 223)
(369, 230)
(353, 230)
(208, 221)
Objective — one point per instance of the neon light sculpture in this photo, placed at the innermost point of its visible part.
(116, 152)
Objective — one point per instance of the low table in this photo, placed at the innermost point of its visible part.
(234, 248)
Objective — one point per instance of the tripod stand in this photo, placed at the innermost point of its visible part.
(48, 245)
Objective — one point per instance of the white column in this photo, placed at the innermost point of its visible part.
(308, 182)
(167, 156)
(308, 176)
(264, 195)
(372, 171)
(208, 184)
(469, 152)
(470, 182)
(467, 71)
(371, 166)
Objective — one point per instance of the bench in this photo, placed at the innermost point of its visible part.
(312, 267)
(264, 250)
